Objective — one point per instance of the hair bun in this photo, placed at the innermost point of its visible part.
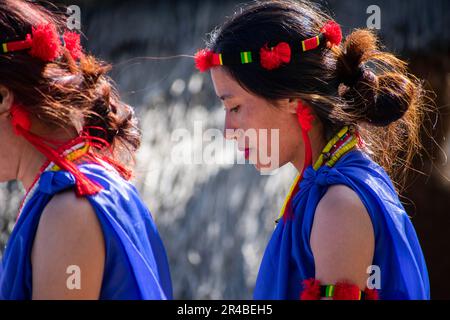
(392, 100)
(377, 97)
(360, 73)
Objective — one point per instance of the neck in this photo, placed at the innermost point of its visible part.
(30, 165)
(31, 161)
(317, 144)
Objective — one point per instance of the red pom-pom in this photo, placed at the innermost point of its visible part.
(273, 58)
(332, 32)
(204, 60)
(304, 116)
(72, 41)
(46, 44)
(371, 294)
(19, 118)
(346, 291)
(311, 290)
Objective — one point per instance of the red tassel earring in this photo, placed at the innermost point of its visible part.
(305, 119)
(19, 119)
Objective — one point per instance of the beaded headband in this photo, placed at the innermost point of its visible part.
(269, 58)
(273, 58)
(45, 43)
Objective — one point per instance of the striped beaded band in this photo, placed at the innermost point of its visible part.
(246, 57)
(16, 45)
(310, 44)
(327, 291)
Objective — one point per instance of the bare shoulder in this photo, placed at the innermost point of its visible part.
(69, 238)
(342, 205)
(67, 208)
(342, 237)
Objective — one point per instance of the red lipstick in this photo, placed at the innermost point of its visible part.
(247, 153)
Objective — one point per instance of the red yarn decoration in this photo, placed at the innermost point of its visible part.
(333, 33)
(72, 43)
(346, 291)
(371, 294)
(304, 116)
(19, 119)
(311, 290)
(342, 291)
(305, 119)
(22, 124)
(46, 44)
(204, 60)
(273, 58)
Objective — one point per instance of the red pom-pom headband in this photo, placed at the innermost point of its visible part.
(270, 58)
(45, 43)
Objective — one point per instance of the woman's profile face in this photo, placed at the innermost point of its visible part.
(268, 134)
(10, 144)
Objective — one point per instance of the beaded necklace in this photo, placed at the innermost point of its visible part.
(344, 141)
(72, 154)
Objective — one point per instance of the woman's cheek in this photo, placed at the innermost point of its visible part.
(9, 152)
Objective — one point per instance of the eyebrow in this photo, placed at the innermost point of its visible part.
(225, 97)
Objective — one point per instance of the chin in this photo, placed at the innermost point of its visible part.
(267, 169)
(7, 172)
(4, 178)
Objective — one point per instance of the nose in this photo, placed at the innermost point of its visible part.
(229, 131)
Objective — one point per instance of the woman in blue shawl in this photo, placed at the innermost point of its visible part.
(345, 114)
(83, 231)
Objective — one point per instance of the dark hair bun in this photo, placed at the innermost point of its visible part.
(377, 88)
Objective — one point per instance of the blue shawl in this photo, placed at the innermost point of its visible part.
(288, 259)
(136, 265)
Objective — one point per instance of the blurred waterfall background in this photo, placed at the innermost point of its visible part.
(216, 219)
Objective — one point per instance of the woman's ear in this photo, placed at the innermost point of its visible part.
(6, 99)
(293, 105)
(288, 105)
